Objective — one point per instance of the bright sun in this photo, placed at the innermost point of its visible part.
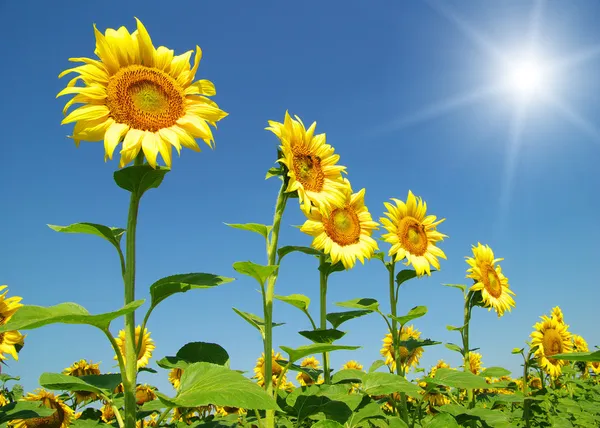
(526, 78)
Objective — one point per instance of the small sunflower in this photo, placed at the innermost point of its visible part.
(175, 377)
(490, 280)
(475, 362)
(225, 411)
(83, 368)
(407, 359)
(61, 418)
(551, 337)
(303, 378)
(3, 400)
(343, 231)
(535, 383)
(140, 95)
(352, 365)
(149, 421)
(107, 413)
(9, 340)
(412, 234)
(144, 393)
(312, 165)
(8, 306)
(557, 314)
(276, 369)
(441, 364)
(579, 344)
(145, 350)
(186, 414)
(596, 367)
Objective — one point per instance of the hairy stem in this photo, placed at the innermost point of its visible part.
(323, 302)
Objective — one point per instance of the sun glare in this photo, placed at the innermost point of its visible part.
(527, 78)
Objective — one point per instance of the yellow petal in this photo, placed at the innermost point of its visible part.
(104, 52)
(165, 149)
(180, 67)
(192, 72)
(150, 148)
(185, 139)
(162, 58)
(87, 112)
(145, 45)
(170, 137)
(113, 137)
(97, 92)
(133, 140)
(91, 130)
(206, 112)
(196, 126)
(202, 87)
(89, 73)
(122, 45)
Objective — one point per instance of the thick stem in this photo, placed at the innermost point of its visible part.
(323, 290)
(268, 298)
(465, 336)
(130, 375)
(526, 402)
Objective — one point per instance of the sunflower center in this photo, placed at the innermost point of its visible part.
(145, 98)
(412, 236)
(552, 342)
(491, 281)
(343, 226)
(309, 171)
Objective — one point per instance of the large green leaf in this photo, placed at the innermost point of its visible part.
(405, 275)
(62, 382)
(111, 234)
(140, 178)
(364, 303)
(414, 313)
(196, 352)
(107, 382)
(495, 372)
(332, 401)
(458, 379)
(323, 335)
(23, 410)
(338, 318)
(371, 410)
(326, 423)
(259, 272)
(283, 251)
(254, 320)
(181, 283)
(29, 317)
(348, 376)
(205, 383)
(411, 344)
(261, 229)
(591, 357)
(377, 383)
(299, 301)
(315, 348)
(442, 420)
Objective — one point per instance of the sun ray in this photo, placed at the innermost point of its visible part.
(570, 114)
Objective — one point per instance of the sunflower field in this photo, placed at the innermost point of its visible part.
(144, 101)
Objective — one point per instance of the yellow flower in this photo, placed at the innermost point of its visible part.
(147, 422)
(108, 414)
(276, 369)
(406, 359)
(558, 315)
(352, 365)
(475, 362)
(144, 96)
(311, 163)
(143, 394)
(490, 280)
(412, 234)
(185, 414)
(8, 342)
(436, 398)
(83, 368)
(145, 350)
(344, 231)
(596, 367)
(224, 411)
(175, 377)
(61, 418)
(551, 338)
(303, 378)
(3, 400)
(441, 364)
(579, 344)
(9, 306)
(535, 383)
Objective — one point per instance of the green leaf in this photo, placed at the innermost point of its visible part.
(261, 229)
(259, 272)
(376, 364)
(300, 301)
(283, 251)
(205, 383)
(364, 303)
(442, 420)
(181, 283)
(405, 275)
(153, 405)
(254, 320)
(325, 423)
(414, 313)
(323, 336)
(458, 379)
(140, 178)
(61, 382)
(396, 423)
(459, 286)
(371, 410)
(87, 423)
(4, 377)
(377, 383)
(412, 344)
(276, 171)
(495, 372)
(453, 328)
(29, 317)
(111, 234)
(338, 318)
(348, 376)
(24, 410)
(579, 356)
(454, 347)
(315, 348)
(147, 369)
(107, 382)
(517, 350)
(331, 401)
(328, 268)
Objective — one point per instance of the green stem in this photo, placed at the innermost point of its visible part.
(465, 336)
(118, 416)
(268, 298)
(312, 322)
(526, 410)
(129, 377)
(323, 290)
(162, 416)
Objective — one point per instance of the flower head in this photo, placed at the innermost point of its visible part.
(407, 359)
(83, 368)
(146, 348)
(551, 338)
(305, 379)
(61, 418)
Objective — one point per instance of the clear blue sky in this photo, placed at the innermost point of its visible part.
(371, 74)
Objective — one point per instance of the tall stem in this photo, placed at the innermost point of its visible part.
(526, 402)
(268, 299)
(323, 289)
(130, 375)
(465, 335)
(396, 335)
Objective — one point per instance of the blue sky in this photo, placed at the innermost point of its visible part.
(380, 79)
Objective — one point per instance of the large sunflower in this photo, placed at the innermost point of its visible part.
(309, 363)
(145, 350)
(61, 418)
(276, 369)
(140, 95)
(412, 234)
(490, 280)
(8, 306)
(311, 163)
(343, 231)
(551, 338)
(407, 359)
(83, 368)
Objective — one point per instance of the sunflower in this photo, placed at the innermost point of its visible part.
(9, 306)
(175, 377)
(276, 369)
(107, 413)
(83, 368)
(352, 365)
(150, 421)
(140, 95)
(407, 359)
(412, 234)
(186, 414)
(145, 350)
(225, 410)
(596, 367)
(311, 163)
(344, 231)
(8, 342)
(61, 418)
(557, 314)
(535, 383)
(490, 280)
(475, 362)
(441, 364)
(3, 400)
(551, 337)
(305, 379)
(143, 394)
(436, 397)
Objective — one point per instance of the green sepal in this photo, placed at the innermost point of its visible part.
(140, 178)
